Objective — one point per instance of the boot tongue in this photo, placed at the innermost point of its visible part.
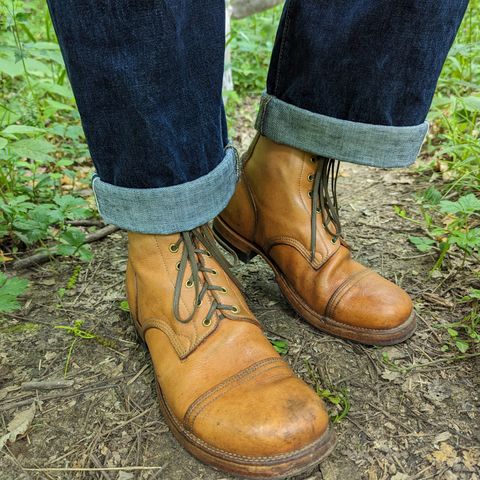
(324, 201)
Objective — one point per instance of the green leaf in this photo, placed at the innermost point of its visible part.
(21, 129)
(73, 236)
(10, 289)
(471, 103)
(280, 346)
(474, 293)
(55, 88)
(73, 208)
(447, 206)
(432, 196)
(124, 306)
(85, 253)
(462, 346)
(42, 46)
(65, 250)
(452, 332)
(467, 204)
(34, 148)
(55, 107)
(424, 244)
(3, 143)
(400, 211)
(466, 240)
(10, 67)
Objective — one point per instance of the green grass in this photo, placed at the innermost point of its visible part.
(450, 208)
(252, 41)
(44, 165)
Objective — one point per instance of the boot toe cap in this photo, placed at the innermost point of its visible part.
(373, 303)
(263, 418)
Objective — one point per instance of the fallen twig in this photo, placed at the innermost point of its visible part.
(99, 465)
(44, 257)
(47, 384)
(104, 469)
(85, 223)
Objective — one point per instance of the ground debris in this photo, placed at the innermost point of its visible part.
(18, 426)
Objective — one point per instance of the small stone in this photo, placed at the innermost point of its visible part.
(390, 426)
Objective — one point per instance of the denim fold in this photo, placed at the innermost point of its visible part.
(172, 209)
(380, 146)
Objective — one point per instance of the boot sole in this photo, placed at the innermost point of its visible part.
(275, 467)
(246, 250)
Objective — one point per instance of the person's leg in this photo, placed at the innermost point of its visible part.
(147, 75)
(151, 109)
(354, 80)
(349, 81)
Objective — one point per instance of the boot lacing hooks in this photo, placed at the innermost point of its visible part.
(324, 200)
(193, 255)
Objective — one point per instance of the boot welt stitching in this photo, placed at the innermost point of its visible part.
(234, 456)
(328, 320)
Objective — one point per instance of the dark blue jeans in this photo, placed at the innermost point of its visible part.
(349, 80)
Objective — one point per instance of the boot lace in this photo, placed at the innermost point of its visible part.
(324, 200)
(198, 244)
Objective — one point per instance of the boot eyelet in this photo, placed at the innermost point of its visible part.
(318, 210)
(189, 284)
(235, 309)
(310, 194)
(173, 248)
(312, 159)
(207, 322)
(214, 272)
(224, 290)
(310, 178)
(334, 240)
(208, 254)
(177, 266)
(199, 303)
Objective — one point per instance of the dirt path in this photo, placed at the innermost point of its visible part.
(413, 413)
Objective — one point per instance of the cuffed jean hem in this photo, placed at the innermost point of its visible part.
(374, 145)
(172, 209)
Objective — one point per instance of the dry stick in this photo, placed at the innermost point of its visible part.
(85, 223)
(44, 257)
(13, 404)
(104, 469)
(98, 464)
(51, 384)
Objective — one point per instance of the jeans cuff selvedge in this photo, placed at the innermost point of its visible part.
(373, 145)
(172, 209)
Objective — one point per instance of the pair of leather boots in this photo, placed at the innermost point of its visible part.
(224, 391)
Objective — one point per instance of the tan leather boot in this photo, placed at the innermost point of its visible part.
(225, 393)
(284, 210)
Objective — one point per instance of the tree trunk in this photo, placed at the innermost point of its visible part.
(245, 8)
(227, 74)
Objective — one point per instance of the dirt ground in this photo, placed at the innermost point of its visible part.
(414, 412)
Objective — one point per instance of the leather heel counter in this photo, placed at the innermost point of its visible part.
(240, 214)
(131, 288)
